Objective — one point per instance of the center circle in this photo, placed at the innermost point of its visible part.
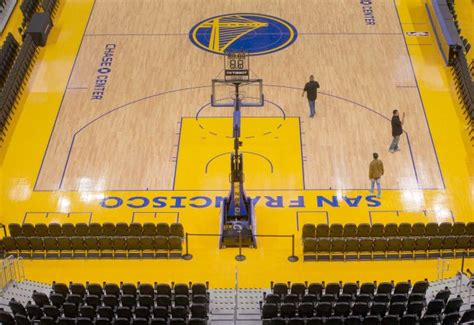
(255, 34)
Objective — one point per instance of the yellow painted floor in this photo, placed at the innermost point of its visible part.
(283, 204)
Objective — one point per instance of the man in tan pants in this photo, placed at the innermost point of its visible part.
(375, 173)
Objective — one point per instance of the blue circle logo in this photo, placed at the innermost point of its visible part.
(255, 34)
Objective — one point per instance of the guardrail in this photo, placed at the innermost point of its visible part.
(12, 270)
(240, 257)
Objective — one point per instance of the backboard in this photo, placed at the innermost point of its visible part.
(250, 93)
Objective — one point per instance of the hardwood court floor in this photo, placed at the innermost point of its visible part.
(146, 160)
(128, 140)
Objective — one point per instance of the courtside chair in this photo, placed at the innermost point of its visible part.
(128, 289)
(391, 230)
(333, 288)
(408, 319)
(94, 289)
(108, 229)
(322, 230)
(470, 229)
(431, 229)
(161, 247)
(135, 229)
(337, 248)
(106, 246)
(350, 230)
(459, 229)
(92, 247)
(435, 245)
(394, 248)
(142, 312)
(149, 229)
(68, 230)
(121, 229)
(379, 248)
(402, 288)
(106, 312)
(147, 246)
(309, 248)
(133, 246)
(120, 247)
(14, 229)
(52, 247)
(177, 229)
(41, 230)
(175, 247)
(37, 247)
(404, 229)
(23, 245)
(448, 247)
(377, 230)
(78, 247)
(368, 288)
(95, 229)
(445, 229)
(336, 230)
(163, 229)
(407, 249)
(28, 230)
(353, 320)
(365, 248)
(418, 229)
(111, 289)
(308, 231)
(351, 250)
(82, 229)
(165, 289)
(323, 251)
(363, 230)
(55, 230)
(422, 245)
(21, 319)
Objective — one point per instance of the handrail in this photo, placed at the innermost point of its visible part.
(11, 271)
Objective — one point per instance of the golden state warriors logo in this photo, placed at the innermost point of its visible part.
(255, 34)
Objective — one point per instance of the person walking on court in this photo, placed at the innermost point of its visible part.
(375, 173)
(311, 89)
(397, 131)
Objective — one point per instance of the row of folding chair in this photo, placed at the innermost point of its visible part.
(107, 288)
(451, 319)
(96, 229)
(349, 230)
(465, 88)
(387, 248)
(13, 85)
(8, 52)
(351, 288)
(92, 247)
(327, 309)
(18, 319)
(28, 8)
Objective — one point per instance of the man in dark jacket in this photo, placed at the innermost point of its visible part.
(311, 89)
(397, 131)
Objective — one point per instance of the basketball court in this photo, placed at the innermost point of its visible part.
(118, 126)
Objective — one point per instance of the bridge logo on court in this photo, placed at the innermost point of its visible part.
(256, 34)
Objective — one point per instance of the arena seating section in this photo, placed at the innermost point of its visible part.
(390, 241)
(351, 304)
(124, 303)
(16, 62)
(94, 240)
(454, 47)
